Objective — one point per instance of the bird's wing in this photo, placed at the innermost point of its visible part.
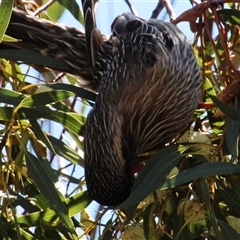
(65, 43)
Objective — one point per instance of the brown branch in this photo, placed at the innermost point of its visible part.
(43, 7)
(167, 4)
(161, 4)
(223, 39)
(192, 14)
(157, 10)
(131, 7)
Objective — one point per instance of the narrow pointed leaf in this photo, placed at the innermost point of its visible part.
(229, 196)
(71, 121)
(34, 58)
(232, 136)
(153, 174)
(7, 38)
(5, 14)
(225, 108)
(44, 98)
(73, 8)
(75, 204)
(148, 222)
(231, 15)
(65, 151)
(232, 132)
(55, 11)
(79, 92)
(10, 97)
(201, 171)
(41, 135)
(209, 211)
(44, 182)
(227, 232)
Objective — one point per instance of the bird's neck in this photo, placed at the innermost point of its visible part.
(105, 124)
(105, 168)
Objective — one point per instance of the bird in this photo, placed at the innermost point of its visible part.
(149, 89)
(148, 85)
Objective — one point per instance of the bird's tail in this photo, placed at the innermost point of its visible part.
(66, 44)
(95, 44)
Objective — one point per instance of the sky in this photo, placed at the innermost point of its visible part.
(109, 9)
(143, 8)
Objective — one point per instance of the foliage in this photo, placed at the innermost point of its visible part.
(189, 190)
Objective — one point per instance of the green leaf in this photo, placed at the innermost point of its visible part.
(42, 178)
(227, 232)
(225, 108)
(210, 212)
(229, 196)
(6, 113)
(7, 38)
(22, 234)
(35, 113)
(65, 151)
(79, 92)
(10, 97)
(75, 204)
(34, 58)
(153, 174)
(180, 229)
(148, 222)
(55, 11)
(232, 132)
(231, 16)
(53, 234)
(73, 122)
(32, 191)
(41, 135)
(78, 202)
(44, 98)
(73, 8)
(5, 14)
(201, 171)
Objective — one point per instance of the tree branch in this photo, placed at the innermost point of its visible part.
(131, 7)
(161, 4)
(157, 10)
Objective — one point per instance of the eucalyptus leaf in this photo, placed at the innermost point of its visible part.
(201, 171)
(230, 15)
(153, 174)
(5, 14)
(43, 179)
(34, 58)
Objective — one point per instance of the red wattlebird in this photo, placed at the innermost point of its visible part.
(148, 85)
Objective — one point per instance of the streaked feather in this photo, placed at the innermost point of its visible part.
(148, 93)
(148, 85)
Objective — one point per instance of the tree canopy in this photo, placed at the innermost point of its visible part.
(188, 190)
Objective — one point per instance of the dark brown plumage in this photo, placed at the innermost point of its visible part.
(148, 84)
(148, 91)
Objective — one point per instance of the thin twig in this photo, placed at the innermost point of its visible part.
(131, 7)
(43, 7)
(223, 38)
(167, 4)
(161, 4)
(157, 10)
